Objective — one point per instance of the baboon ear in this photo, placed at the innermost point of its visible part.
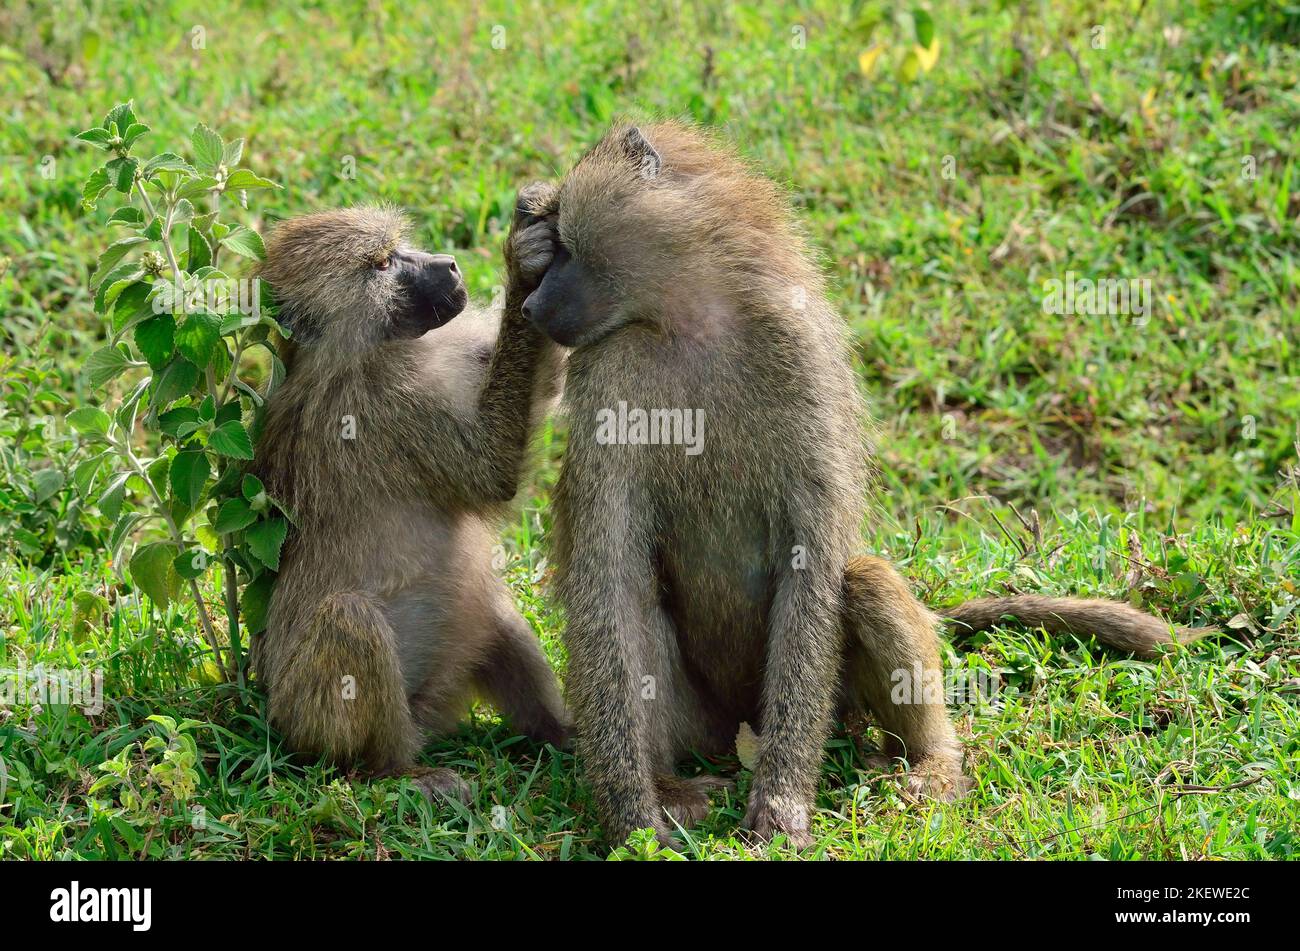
(642, 153)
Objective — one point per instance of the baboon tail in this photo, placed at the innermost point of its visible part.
(1112, 622)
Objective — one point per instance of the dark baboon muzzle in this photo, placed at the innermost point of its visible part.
(432, 292)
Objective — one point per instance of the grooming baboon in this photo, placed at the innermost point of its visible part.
(393, 441)
(714, 587)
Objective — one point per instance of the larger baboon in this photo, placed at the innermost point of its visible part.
(394, 441)
(714, 583)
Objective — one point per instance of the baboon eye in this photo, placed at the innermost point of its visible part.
(383, 264)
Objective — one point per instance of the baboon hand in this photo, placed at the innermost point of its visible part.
(531, 245)
(529, 252)
(536, 200)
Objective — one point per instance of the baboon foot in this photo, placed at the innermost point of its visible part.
(440, 783)
(937, 778)
(687, 800)
(770, 816)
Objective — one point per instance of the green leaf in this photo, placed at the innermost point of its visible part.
(127, 215)
(924, 27)
(123, 115)
(189, 473)
(83, 476)
(97, 137)
(168, 162)
(94, 187)
(45, 483)
(177, 380)
(179, 422)
(197, 187)
(256, 602)
(114, 282)
(200, 250)
(234, 151)
(233, 516)
(265, 540)
(156, 339)
(121, 172)
(191, 563)
(228, 411)
(111, 256)
(251, 487)
(121, 530)
(87, 607)
(232, 323)
(246, 242)
(126, 410)
(208, 148)
(243, 179)
(106, 364)
(110, 500)
(133, 132)
(133, 305)
(89, 420)
(157, 473)
(153, 573)
(231, 439)
(198, 337)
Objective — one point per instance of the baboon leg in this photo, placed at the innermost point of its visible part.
(519, 682)
(891, 637)
(341, 693)
(686, 799)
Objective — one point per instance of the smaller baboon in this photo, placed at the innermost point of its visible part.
(712, 581)
(395, 439)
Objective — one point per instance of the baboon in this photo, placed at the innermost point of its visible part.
(717, 586)
(394, 440)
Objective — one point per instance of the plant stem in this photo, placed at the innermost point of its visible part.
(204, 618)
(166, 235)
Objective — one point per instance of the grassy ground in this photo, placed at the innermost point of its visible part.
(1160, 454)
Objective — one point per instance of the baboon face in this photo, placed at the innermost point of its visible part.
(616, 243)
(573, 305)
(659, 227)
(350, 279)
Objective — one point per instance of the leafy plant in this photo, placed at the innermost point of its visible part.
(179, 331)
(37, 514)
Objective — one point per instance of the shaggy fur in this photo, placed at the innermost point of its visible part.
(386, 615)
(708, 590)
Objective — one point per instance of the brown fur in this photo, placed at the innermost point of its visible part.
(704, 591)
(1113, 622)
(386, 616)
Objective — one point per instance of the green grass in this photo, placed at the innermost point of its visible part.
(1161, 457)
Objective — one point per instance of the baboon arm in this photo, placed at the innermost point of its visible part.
(605, 585)
(473, 457)
(803, 655)
(495, 443)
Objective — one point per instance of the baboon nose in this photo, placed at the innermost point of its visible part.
(447, 261)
